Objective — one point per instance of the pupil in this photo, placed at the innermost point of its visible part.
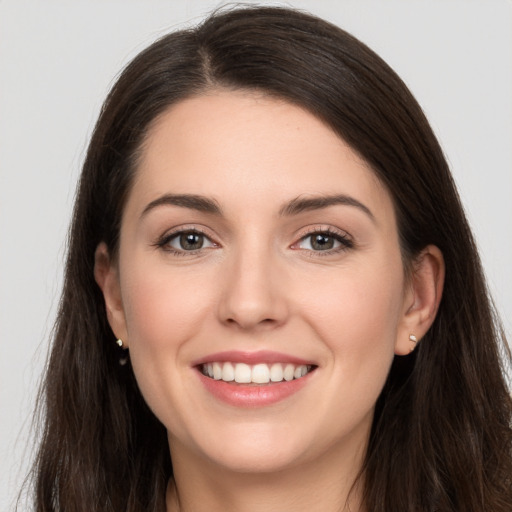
(191, 241)
(322, 242)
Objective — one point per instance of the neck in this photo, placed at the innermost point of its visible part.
(328, 484)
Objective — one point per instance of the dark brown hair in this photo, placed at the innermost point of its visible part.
(441, 438)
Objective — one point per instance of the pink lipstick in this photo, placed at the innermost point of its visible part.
(253, 379)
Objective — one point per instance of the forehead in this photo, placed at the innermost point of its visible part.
(245, 148)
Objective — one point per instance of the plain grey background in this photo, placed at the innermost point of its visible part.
(57, 62)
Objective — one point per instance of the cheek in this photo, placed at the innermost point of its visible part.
(163, 310)
(356, 314)
(351, 301)
(162, 305)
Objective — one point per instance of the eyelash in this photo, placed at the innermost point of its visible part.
(164, 241)
(343, 239)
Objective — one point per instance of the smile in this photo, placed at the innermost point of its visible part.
(260, 373)
(254, 379)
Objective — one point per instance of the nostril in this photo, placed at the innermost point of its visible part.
(248, 323)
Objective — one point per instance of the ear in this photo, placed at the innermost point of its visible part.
(107, 276)
(421, 298)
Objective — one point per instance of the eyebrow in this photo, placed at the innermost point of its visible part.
(305, 204)
(191, 201)
(294, 207)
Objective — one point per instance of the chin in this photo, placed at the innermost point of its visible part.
(240, 461)
(255, 450)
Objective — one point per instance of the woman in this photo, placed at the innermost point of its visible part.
(272, 297)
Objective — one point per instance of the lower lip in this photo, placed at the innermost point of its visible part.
(255, 395)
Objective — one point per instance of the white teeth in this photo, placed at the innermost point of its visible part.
(242, 373)
(217, 371)
(258, 374)
(276, 372)
(300, 371)
(228, 372)
(288, 372)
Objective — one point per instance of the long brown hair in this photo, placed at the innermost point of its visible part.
(441, 438)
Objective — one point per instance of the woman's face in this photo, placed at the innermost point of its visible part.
(257, 246)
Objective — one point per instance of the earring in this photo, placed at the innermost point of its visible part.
(414, 340)
(123, 359)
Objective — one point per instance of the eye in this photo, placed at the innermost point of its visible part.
(324, 241)
(185, 241)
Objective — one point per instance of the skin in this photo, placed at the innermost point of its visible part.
(259, 284)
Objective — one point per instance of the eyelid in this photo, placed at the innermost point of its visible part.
(343, 237)
(325, 228)
(162, 242)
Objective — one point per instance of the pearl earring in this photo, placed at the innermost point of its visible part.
(414, 340)
(123, 359)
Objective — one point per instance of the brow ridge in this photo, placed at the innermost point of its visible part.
(191, 201)
(294, 207)
(302, 204)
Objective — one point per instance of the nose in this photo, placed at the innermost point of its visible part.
(253, 293)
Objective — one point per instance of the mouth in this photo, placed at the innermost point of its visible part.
(254, 379)
(255, 374)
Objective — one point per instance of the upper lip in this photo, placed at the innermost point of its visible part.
(251, 358)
